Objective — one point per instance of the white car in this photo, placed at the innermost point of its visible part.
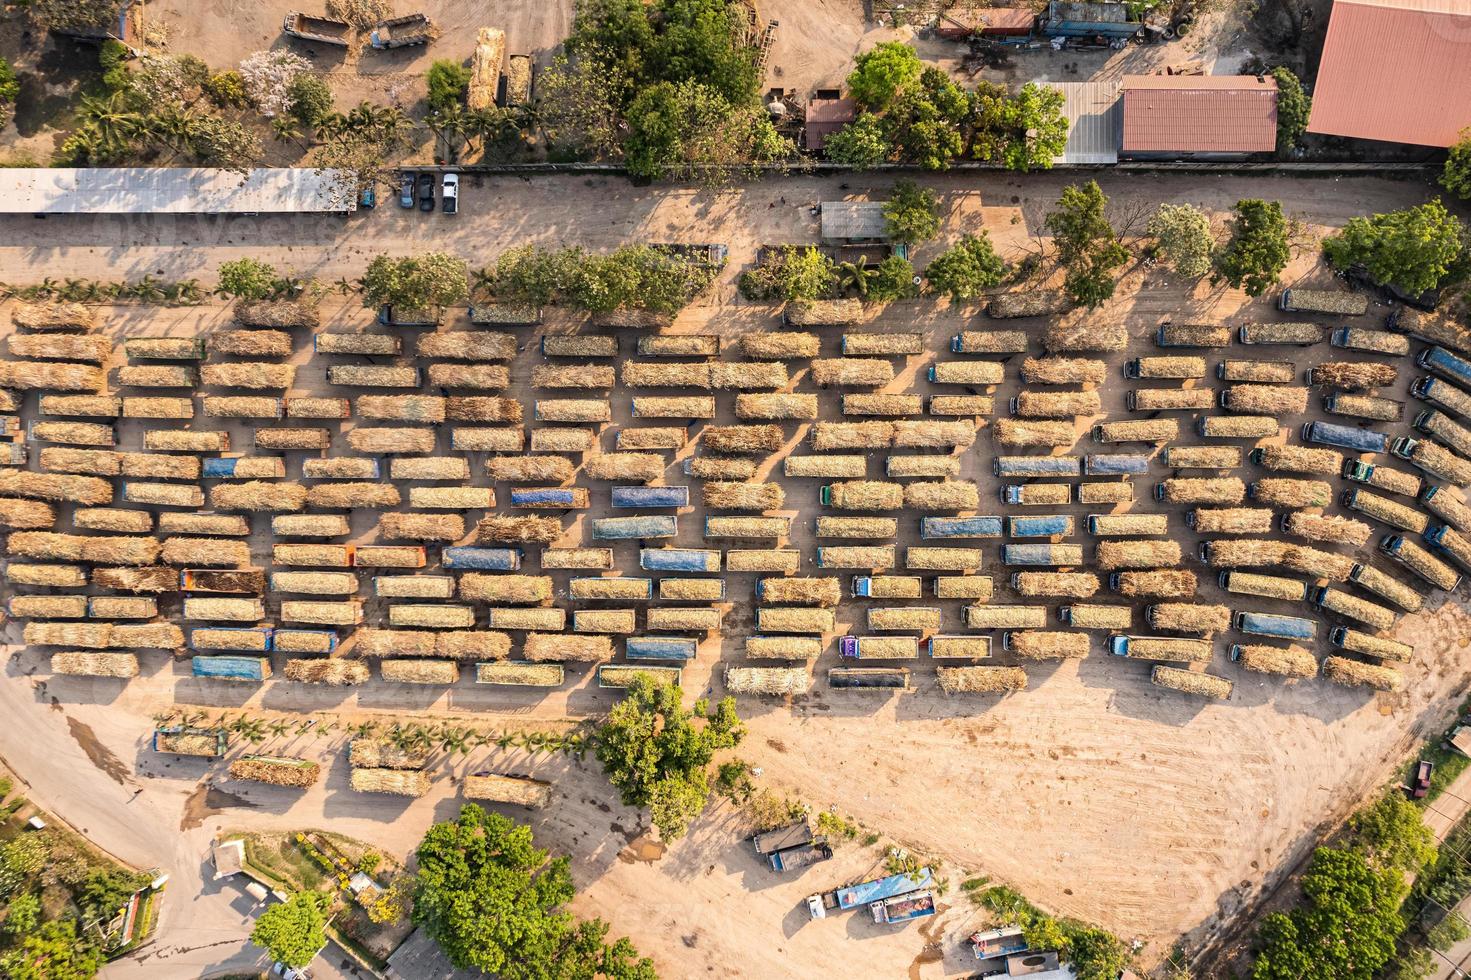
(450, 193)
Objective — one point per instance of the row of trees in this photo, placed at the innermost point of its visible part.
(630, 277)
(911, 113)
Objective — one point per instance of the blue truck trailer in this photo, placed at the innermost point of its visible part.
(960, 527)
(678, 648)
(550, 498)
(1115, 464)
(1048, 526)
(679, 560)
(1281, 627)
(482, 559)
(633, 528)
(1016, 467)
(629, 498)
(1440, 361)
(231, 668)
(852, 896)
(1113, 21)
(1349, 437)
(903, 908)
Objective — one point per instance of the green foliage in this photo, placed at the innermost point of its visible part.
(1023, 132)
(1257, 250)
(247, 279)
(767, 811)
(965, 270)
(448, 82)
(415, 281)
(21, 858)
(112, 57)
(925, 122)
(656, 756)
(1413, 249)
(912, 213)
(796, 275)
(311, 98)
(493, 902)
(9, 84)
(227, 90)
(862, 144)
(22, 914)
(879, 75)
(1093, 953)
(1293, 109)
(1456, 175)
(688, 130)
(836, 826)
(630, 277)
(1182, 234)
(1350, 917)
(105, 890)
(54, 952)
(1086, 244)
(893, 279)
(696, 40)
(733, 781)
(294, 930)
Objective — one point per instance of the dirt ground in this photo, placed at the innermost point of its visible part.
(1093, 792)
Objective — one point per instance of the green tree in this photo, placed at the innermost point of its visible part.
(1413, 249)
(1182, 234)
(1091, 278)
(925, 122)
(613, 38)
(796, 275)
(311, 98)
(1456, 175)
(879, 75)
(448, 81)
(1022, 132)
(862, 144)
(227, 90)
(1392, 833)
(533, 276)
(578, 107)
(294, 930)
(247, 279)
(700, 39)
(1087, 246)
(1293, 108)
(105, 890)
(656, 756)
(53, 952)
(893, 279)
(415, 281)
(22, 913)
(9, 88)
(688, 130)
(912, 213)
(493, 901)
(1257, 250)
(966, 269)
(635, 277)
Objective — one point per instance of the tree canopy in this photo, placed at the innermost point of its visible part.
(1182, 235)
(794, 275)
(879, 75)
(966, 269)
(1413, 249)
(493, 901)
(294, 930)
(447, 81)
(1022, 132)
(1456, 175)
(53, 952)
(1293, 109)
(862, 144)
(656, 756)
(415, 281)
(912, 213)
(247, 278)
(1087, 246)
(1257, 249)
(630, 277)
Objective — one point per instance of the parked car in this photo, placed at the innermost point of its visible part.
(1421, 785)
(406, 189)
(368, 197)
(426, 192)
(450, 192)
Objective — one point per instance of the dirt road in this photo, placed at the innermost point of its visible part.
(1095, 793)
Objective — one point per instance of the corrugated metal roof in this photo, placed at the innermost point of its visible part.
(1395, 70)
(171, 190)
(1095, 119)
(989, 19)
(853, 221)
(1199, 114)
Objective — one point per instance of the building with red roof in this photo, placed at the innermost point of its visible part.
(1395, 70)
(1199, 115)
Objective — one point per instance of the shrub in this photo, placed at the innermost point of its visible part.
(1293, 109)
(227, 90)
(247, 279)
(862, 144)
(448, 81)
(893, 279)
(966, 269)
(879, 75)
(311, 98)
(9, 86)
(796, 275)
(1257, 250)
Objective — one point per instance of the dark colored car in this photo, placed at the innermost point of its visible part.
(426, 192)
(406, 189)
(1421, 785)
(367, 198)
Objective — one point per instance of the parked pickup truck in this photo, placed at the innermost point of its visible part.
(402, 32)
(323, 30)
(903, 908)
(794, 858)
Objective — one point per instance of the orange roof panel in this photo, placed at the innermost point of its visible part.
(1395, 70)
(1199, 114)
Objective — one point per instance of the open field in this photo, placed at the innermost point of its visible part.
(1093, 792)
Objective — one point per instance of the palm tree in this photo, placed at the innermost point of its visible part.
(505, 740)
(454, 740)
(279, 727)
(115, 125)
(855, 275)
(345, 286)
(284, 128)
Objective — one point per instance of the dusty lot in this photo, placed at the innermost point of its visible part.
(1093, 792)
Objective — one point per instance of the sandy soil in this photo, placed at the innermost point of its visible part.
(1095, 793)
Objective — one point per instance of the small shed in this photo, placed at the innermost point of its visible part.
(854, 221)
(228, 857)
(1199, 115)
(825, 117)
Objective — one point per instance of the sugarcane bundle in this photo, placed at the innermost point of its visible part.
(931, 558)
(876, 528)
(617, 621)
(402, 408)
(585, 648)
(506, 588)
(1354, 375)
(82, 406)
(865, 495)
(876, 404)
(1047, 645)
(334, 672)
(1084, 335)
(518, 530)
(81, 663)
(282, 313)
(1273, 400)
(394, 782)
(157, 376)
(122, 607)
(163, 494)
(778, 345)
(293, 438)
(775, 560)
(599, 377)
(1299, 459)
(643, 467)
(933, 435)
(852, 372)
(1318, 563)
(1191, 682)
(532, 469)
(484, 408)
(1115, 555)
(513, 440)
(388, 556)
(1068, 585)
(258, 496)
(721, 468)
(1015, 432)
(152, 579)
(89, 348)
(646, 438)
(1202, 457)
(789, 619)
(48, 606)
(55, 487)
(1203, 490)
(662, 407)
(1232, 520)
(782, 407)
(58, 576)
(1031, 302)
(420, 527)
(290, 773)
(1057, 404)
(1352, 673)
(53, 316)
(770, 681)
(749, 375)
(436, 617)
(684, 620)
(783, 647)
(204, 552)
(981, 680)
(1162, 583)
(386, 440)
(51, 376)
(1288, 661)
(649, 374)
(1137, 430)
(84, 462)
(251, 343)
(803, 591)
(1063, 371)
(31, 515)
(822, 313)
(1326, 527)
(922, 466)
(472, 645)
(87, 636)
(429, 468)
(967, 372)
(477, 345)
(828, 436)
(947, 495)
(1282, 492)
(451, 498)
(469, 376)
(742, 439)
(153, 636)
(574, 410)
(742, 496)
(248, 374)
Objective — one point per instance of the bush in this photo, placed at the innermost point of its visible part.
(879, 75)
(247, 279)
(9, 85)
(311, 98)
(1456, 175)
(862, 144)
(797, 275)
(966, 269)
(1412, 250)
(1257, 250)
(415, 282)
(227, 90)
(448, 81)
(912, 214)
(893, 279)
(1293, 109)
